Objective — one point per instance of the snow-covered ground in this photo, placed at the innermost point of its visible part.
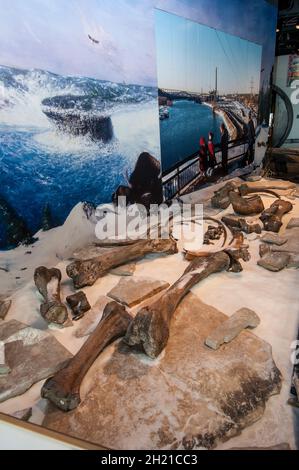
(274, 297)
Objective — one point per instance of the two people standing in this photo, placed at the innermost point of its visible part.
(207, 157)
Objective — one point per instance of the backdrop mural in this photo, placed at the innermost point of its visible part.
(79, 93)
(206, 77)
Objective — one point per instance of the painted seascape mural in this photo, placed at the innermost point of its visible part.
(79, 96)
(78, 102)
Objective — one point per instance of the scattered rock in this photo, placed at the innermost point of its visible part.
(47, 282)
(191, 396)
(232, 327)
(91, 320)
(264, 249)
(273, 239)
(131, 292)
(4, 308)
(294, 261)
(23, 415)
(4, 369)
(79, 304)
(293, 223)
(124, 270)
(31, 354)
(274, 261)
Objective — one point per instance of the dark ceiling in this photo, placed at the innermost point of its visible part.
(287, 33)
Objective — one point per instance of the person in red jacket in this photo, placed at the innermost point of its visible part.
(203, 155)
(211, 151)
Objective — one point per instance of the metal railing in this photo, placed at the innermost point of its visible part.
(180, 176)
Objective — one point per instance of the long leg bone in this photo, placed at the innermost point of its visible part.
(85, 273)
(64, 388)
(150, 328)
(272, 217)
(47, 282)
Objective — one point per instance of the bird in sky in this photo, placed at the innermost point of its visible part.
(95, 41)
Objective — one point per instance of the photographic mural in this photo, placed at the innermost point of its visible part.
(206, 78)
(79, 92)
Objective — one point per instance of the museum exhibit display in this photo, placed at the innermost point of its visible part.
(149, 224)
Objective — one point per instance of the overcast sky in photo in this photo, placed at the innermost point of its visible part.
(53, 34)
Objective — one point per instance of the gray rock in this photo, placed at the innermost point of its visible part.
(4, 308)
(191, 394)
(92, 318)
(131, 292)
(293, 223)
(23, 415)
(31, 354)
(124, 270)
(274, 261)
(4, 369)
(294, 261)
(254, 178)
(232, 327)
(274, 239)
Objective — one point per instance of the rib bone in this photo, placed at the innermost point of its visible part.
(85, 273)
(64, 388)
(244, 190)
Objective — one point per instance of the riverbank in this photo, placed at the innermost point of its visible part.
(232, 130)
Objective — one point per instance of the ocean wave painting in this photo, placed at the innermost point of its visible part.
(69, 139)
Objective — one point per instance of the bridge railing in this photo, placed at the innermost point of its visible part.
(180, 176)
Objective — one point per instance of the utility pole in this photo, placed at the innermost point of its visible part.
(251, 86)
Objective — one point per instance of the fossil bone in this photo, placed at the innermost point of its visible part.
(244, 190)
(272, 217)
(221, 199)
(79, 305)
(234, 222)
(150, 328)
(246, 206)
(63, 390)
(86, 272)
(47, 282)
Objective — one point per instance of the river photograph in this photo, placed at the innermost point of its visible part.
(206, 78)
(180, 132)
